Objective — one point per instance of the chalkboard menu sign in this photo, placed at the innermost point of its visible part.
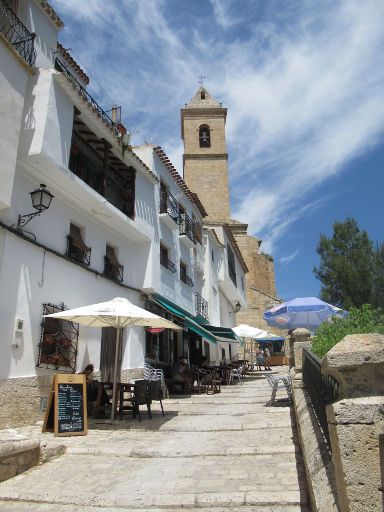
(67, 406)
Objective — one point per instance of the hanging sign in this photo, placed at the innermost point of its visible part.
(154, 330)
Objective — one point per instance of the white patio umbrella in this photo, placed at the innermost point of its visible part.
(117, 313)
(247, 331)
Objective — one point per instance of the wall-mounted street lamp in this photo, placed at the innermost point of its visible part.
(41, 200)
(237, 307)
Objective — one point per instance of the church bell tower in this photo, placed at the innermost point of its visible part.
(205, 160)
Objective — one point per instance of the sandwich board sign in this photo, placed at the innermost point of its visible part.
(66, 414)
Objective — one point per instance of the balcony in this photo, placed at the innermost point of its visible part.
(112, 270)
(78, 252)
(17, 34)
(201, 306)
(169, 208)
(92, 161)
(186, 230)
(84, 94)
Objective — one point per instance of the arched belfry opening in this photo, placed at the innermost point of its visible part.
(205, 136)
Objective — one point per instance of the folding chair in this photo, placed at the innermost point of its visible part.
(279, 382)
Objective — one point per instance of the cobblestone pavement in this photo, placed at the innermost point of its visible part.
(210, 452)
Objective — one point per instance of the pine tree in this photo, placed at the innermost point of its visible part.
(347, 266)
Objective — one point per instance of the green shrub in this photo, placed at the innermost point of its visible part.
(359, 321)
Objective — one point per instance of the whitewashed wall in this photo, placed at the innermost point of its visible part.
(32, 277)
(13, 85)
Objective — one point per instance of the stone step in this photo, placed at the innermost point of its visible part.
(19, 506)
(141, 443)
(163, 482)
(262, 501)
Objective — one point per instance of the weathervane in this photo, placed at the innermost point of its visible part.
(201, 79)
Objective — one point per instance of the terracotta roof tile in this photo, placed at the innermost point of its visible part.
(179, 180)
(51, 13)
(71, 61)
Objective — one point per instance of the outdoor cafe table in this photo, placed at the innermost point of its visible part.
(122, 387)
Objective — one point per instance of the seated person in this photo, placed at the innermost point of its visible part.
(204, 362)
(93, 386)
(179, 374)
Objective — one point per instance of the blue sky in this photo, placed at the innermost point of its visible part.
(303, 82)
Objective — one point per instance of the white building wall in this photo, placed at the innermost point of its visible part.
(32, 277)
(38, 21)
(13, 84)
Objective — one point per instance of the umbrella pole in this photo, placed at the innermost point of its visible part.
(251, 351)
(114, 397)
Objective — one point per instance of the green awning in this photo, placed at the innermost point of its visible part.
(190, 322)
(223, 333)
(198, 329)
(173, 308)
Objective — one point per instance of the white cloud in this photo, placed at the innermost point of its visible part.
(221, 10)
(285, 260)
(303, 86)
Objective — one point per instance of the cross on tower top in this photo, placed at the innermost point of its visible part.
(201, 79)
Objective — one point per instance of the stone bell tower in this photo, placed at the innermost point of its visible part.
(206, 173)
(205, 153)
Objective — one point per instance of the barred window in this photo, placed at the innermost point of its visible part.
(58, 341)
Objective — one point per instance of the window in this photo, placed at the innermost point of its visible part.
(76, 248)
(202, 95)
(242, 283)
(164, 260)
(212, 256)
(163, 256)
(231, 265)
(183, 272)
(112, 267)
(204, 136)
(184, 277)
(58, 341)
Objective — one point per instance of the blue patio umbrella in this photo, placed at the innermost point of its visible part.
(308, 312)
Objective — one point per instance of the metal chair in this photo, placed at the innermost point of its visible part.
(236, 373)
(151, 373)
(279, 382)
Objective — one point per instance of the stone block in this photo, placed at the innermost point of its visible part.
(353, 428)
(301, 335)
(357, 363)
(298, 347)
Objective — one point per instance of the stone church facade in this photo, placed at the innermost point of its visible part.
(205, 163)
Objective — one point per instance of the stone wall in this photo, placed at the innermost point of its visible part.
(260, 280)
(356, 421)
(21, 397)
(316, 454)
(208, 177)
(20, 400)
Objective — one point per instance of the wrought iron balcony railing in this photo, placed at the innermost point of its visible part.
(59, 66)
(76, 253)
(186, 227)
(115, 272)
(169, 204)
(201, 306)
(17, 34)
(166, 263)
